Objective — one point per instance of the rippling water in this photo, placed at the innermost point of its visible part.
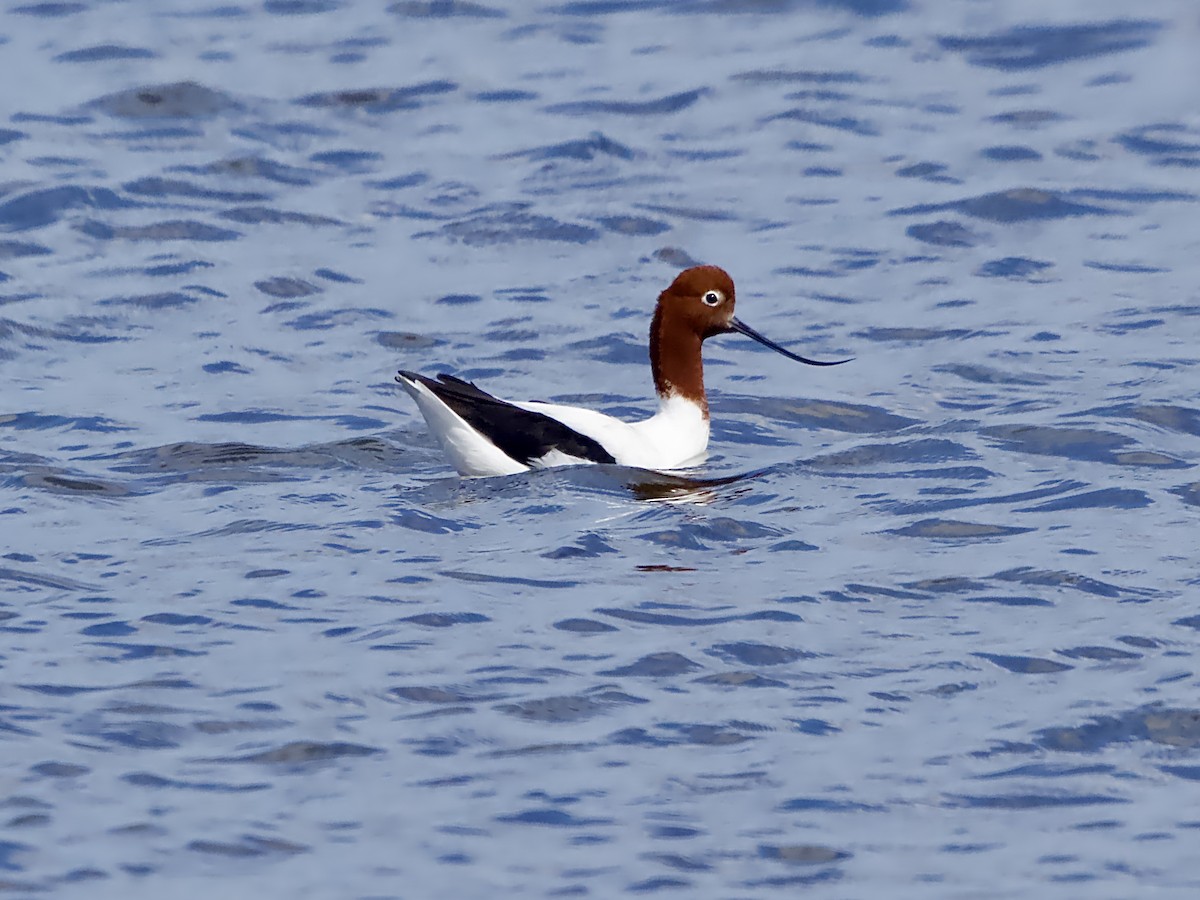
(925, 624)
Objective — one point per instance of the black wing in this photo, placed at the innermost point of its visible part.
(522, 434)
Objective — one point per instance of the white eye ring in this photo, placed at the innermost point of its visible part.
(712, 298)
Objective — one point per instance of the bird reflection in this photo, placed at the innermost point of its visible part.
(663, 487)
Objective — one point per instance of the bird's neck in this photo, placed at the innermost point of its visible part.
(675, 361)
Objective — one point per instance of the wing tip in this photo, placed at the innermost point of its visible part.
(442, 378)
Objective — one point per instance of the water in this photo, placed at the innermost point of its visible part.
(924, 626)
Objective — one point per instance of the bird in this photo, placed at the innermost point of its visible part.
(483, 435)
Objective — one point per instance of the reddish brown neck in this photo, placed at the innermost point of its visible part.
(675, 360)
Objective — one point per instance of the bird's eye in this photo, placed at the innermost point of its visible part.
(713, 298)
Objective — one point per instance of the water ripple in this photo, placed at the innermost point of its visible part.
(252, 615)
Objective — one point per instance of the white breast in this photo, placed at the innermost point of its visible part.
(674, 437)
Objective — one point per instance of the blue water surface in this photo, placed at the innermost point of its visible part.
(924, 626)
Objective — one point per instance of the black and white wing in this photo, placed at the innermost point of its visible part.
(527, 437)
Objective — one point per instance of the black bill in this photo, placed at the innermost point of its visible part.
(742, 328)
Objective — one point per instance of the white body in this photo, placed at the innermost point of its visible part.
(674, 437)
